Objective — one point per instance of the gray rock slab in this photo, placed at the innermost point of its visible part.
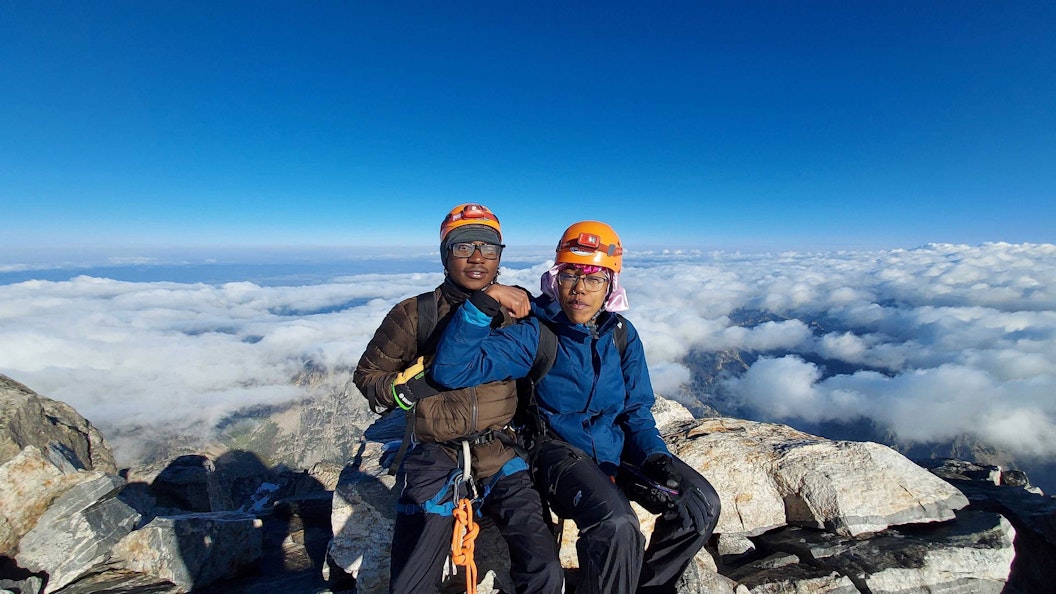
(769, 475)
(77, 532)
(31, 481)
(194, 550)
(29, 419)
(972, 554)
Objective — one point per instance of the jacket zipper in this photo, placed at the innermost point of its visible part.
(473, 409)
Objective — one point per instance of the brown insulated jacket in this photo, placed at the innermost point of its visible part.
(446, 416)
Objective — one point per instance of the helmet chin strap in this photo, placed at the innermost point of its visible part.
(592, 323)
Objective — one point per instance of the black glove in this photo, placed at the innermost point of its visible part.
(691, 510)
(649, 484)
(660, 468)
(687, 503)
(413, 384)
(489, 306)
(486, 304)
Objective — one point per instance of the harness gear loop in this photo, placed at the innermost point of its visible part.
(467, 476)
(466, 463)
(462, 542)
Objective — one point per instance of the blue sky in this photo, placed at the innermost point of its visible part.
(131, 126)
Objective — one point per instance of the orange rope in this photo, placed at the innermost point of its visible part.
(462, 545)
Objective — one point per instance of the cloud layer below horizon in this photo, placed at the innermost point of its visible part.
(944, 340)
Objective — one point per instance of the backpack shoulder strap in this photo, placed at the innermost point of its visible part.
(528, 416)
(619, 335)
(427, 313)
(545, 355)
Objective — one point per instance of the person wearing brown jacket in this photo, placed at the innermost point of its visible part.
(449, 423)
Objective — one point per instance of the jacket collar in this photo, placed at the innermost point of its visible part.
(454, 292)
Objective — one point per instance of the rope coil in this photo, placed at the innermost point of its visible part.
(462, 542)
(466, 528)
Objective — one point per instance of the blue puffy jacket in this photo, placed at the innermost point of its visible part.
(590, 398)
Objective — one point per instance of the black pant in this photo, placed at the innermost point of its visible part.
(421, 541)
(610, 546)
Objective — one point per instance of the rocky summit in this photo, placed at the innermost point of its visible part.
(799, 513)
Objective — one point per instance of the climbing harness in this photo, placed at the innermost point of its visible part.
(463, 508)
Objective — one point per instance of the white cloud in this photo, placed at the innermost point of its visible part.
(923, 405)
(963, 339)
(667, 377)
(965, 336)
(769, 336)
(173, 354)
(785, 387)
(845, 346)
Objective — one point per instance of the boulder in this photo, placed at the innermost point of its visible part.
(29, 419)
(771, 475)
(1031, 514)
(701, 576)
(784, 574)
(77, 530)
(297, 533)
(853, 488)
(32, 480)
(735, 458)
(363, 512)
(193, 550)
(28, 585)
(189, 483)
(668, 412)
(972, 555)
(112, 579)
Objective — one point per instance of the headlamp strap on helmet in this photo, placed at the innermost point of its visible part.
(471, 211)
(591, 242)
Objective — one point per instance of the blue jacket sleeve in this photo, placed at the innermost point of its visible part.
(637, 421)
(470, 353)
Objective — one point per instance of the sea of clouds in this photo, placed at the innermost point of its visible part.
(944, 340)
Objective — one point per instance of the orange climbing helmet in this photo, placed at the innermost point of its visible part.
(590, 242)
(469, 214)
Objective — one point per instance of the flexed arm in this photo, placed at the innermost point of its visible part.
(515, 300)
(471, 353)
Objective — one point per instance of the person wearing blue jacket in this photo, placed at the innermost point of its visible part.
(600, 447)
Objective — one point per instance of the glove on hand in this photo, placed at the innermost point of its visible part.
(412, 384)
(687, 505)
(654, 484)
(691, 511)
(660, 468)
